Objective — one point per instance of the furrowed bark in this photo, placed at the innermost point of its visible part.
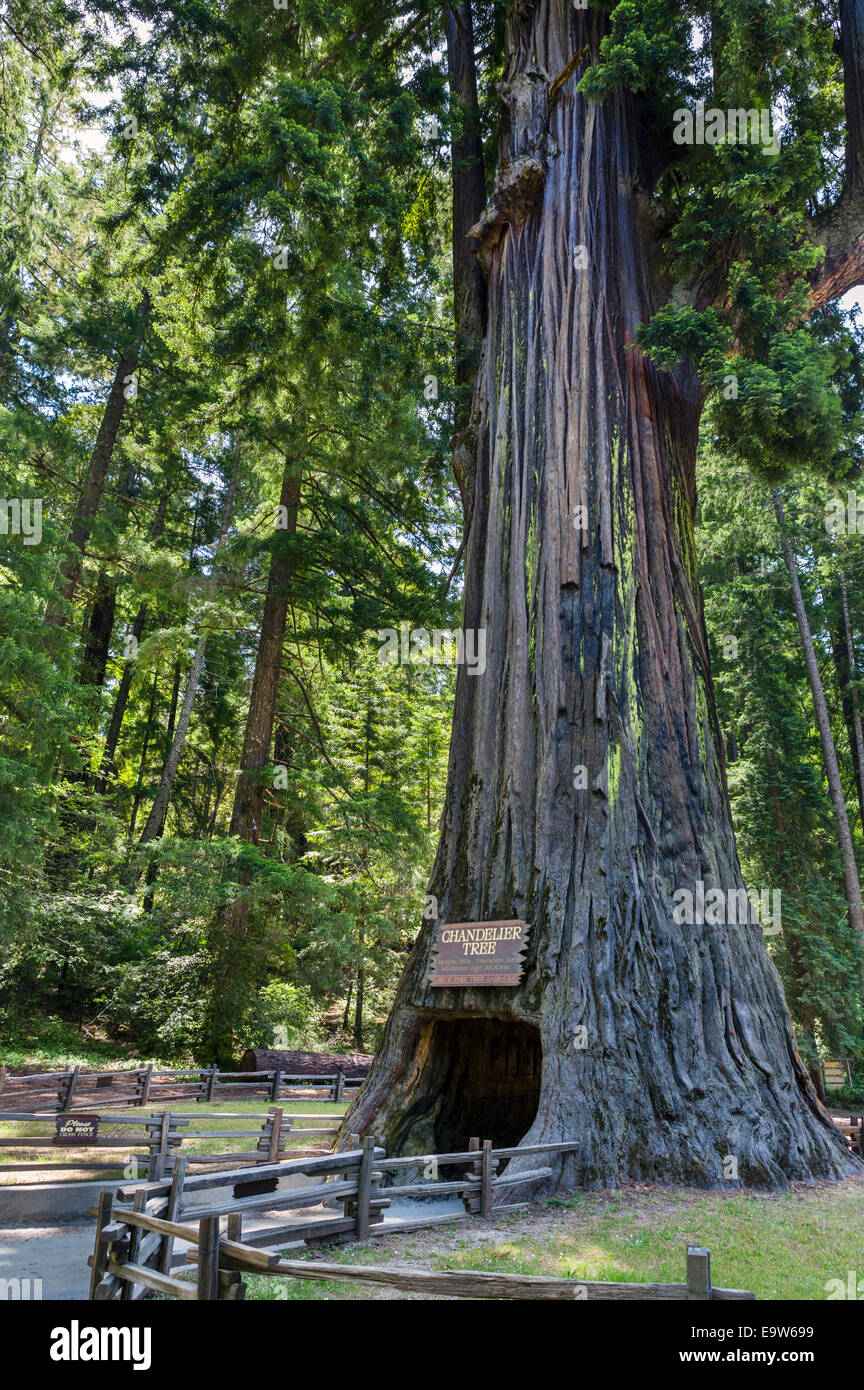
(469, 199)
(840, 229)
(586, 784)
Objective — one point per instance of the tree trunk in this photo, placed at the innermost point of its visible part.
(823, 721)
(469, 199)
(101, 625)
(230, 925)
(142, 766)
(156, 818)
(249, 794)
(843, 649)
(358, 1004)
(664, 1049)
(121, 699)
(158, 811)
(57, 614)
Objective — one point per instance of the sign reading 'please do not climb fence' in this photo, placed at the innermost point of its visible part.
(478, 953)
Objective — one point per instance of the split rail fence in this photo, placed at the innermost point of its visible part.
(134, 1255)
(76, 1089)
(162, 1136)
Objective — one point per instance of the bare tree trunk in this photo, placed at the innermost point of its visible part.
(94, 662)
(358, 1003)
(586, 784)
(823, 721)
(57, 614)
(856, 735)
(156, 819)
(121, 699)
(142, 766)
(258, 737)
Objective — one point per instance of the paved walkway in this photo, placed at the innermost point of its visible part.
(58, 1254)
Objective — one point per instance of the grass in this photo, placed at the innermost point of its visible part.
(779, 1246)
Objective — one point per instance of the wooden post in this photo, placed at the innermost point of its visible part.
(698, 1272)
(340, 1085)
(135, 1235)
(211, 1082)
(2, 1077)
(209, 1236)
(275, 1135)
(173, 1212)
(470, 1199)
(364, 1188)
(99, 1258)
(235, 1226)
(486, 1178)
(349, 1206)
(159, 1150)
(66, 1100)
(277, 1085)
(146, 1078)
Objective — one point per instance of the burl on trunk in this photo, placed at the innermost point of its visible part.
(586, 781)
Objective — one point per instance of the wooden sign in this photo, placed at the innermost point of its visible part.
(836, 1074)
(76, 1129)
(478, 953)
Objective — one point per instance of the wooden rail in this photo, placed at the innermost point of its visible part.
(75, 1089)
(163, 1136)
(351, 1182)
(221, 1260)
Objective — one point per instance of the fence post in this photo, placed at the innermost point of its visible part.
(277, 1085)
(486, 1179)
(470, 1199)
(99, 1258)
(698, 1272)
(135, 1236)
(364, 1188)
(275, 1135)
(209, 1236)
(146, 1078)
(235, 1226)
(173, 1212)
(2, 1077)
(159, 1149)
(340, 1085)
(211, 1082)
(66, 1100)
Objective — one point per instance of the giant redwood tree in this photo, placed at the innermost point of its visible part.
(628, 276)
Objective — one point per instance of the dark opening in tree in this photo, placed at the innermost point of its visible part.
(482, 1080)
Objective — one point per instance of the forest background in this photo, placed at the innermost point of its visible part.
(228, 389)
